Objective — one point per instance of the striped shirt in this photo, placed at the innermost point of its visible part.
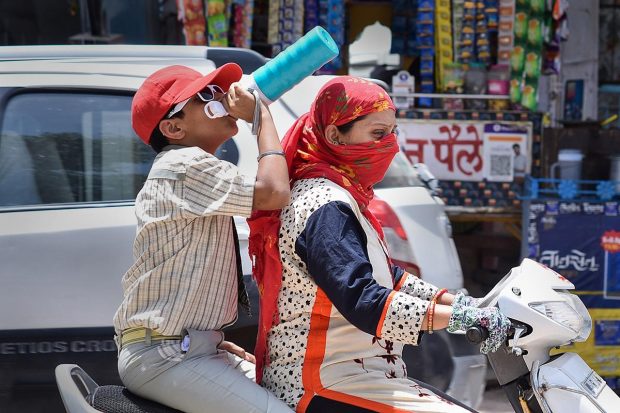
(185, 270)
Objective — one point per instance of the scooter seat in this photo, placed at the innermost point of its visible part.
(117, 399)
(81, 394)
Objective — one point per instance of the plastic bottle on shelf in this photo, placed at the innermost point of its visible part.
(476, 84)
(498, 83)
(453, 78)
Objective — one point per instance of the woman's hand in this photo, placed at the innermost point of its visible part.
(465, 300)
(496, 323)
(236, 350)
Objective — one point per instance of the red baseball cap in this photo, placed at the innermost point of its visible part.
(169, 86)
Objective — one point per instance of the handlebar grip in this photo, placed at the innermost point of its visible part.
(477, 334)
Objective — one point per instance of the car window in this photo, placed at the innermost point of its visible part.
(69, 147)
(400, 174)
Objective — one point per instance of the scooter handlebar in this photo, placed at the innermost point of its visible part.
(477, 334)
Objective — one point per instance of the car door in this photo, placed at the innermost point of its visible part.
(70, 167)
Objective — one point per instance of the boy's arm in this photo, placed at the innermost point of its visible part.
(271, 190)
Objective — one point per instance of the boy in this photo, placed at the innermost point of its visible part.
(183, 286)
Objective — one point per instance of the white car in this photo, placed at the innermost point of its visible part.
(70, 167)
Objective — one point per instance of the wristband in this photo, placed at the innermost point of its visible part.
(267, 153)
(257, 112)
(430, 313)
(431, 310)
(439, 294)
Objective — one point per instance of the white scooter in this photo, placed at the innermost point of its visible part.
(544, 315)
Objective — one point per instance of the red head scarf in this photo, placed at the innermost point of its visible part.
(309, 154)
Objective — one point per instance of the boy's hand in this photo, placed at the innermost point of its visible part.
(239, 103)
(236, 350)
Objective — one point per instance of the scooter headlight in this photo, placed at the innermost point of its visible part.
(571, 313)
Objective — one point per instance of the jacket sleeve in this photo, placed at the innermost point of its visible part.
(333, 247)
(216, 187)
(410, 284)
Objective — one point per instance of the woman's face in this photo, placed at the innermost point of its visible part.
(371, 127)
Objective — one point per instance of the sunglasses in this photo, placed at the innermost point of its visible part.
(210, 94)
(207, 95)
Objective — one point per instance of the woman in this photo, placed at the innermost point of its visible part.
(335, 313)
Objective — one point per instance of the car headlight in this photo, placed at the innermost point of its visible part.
(570, 313)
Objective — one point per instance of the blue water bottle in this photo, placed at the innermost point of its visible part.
(294, 64)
